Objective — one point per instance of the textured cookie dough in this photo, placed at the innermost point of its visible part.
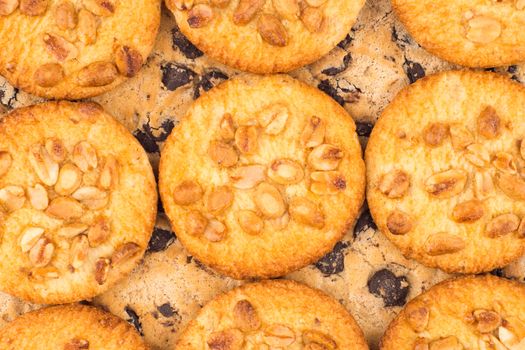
(77, 199)
(266, 36)
(262, 177)
(446, 168)
(70, 327)
(74, 49)
(473, 33)
(275, 313)
(474, 312)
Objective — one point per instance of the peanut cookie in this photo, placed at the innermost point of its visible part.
(75, 48)
(474, 312)
(446, 171)
(70, 327)
(263, 176)
(273, 314)
(265, 36)
(473, 33)
(77, 202)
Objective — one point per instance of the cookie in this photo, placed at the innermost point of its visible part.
(473, 33)
(75, 49)
(70, 327)
(446, 168)
(77, 200)
(265, 36)
(474, 312)
(276, 313)
(258, 184)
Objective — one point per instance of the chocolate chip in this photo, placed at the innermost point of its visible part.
(331, 91)
(333, 262)
(160, 240)
(498, 272)
(364, 129)
(364, 222)
(336, 70)
(146, 141)
(147, 138)
(133, 319)
(413, 70)
(401, 40)
(175, 75)
(184, 45)
(345, 43)
(512, 69)
(392, 289)
(166, 310)
(208, 81)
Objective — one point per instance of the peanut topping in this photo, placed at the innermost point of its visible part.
(504, 161)
(278, 335)
(483, 185)
(102, 8)
(7, 7)
(272, 30)
(245, 316)
(181, 4)
(285, 172)
(468, 211)
(49, 75)
(56, 149)
(84, 156)
(87, 27)
(435, 134)
(215, 231)
(128, 61)
(196, 223)
(61, 49)
(43, 165)
(448, 343)
(312, 19)
(248, 176)
(200, 16)
(460, 136)
(229, 339)
(223, 154)
(66, 15)
(306, 212)
(269, 201)
(77, 344)
(219, 199)
(394, 184)
(399, 222)
(246, 139)
(313, 133)
(417, 318)
(287, 9)
(273, 118)
(226, 127)
(443, 243)
(246, 11)
(502, 225)
(446, 184)
(69, 179)
(327, 182)
(109, 174)
(99, 232)
(483, 29)
(512, 185)
(38, 197)
(124, 252)
(489, 123)
(187, 192)
(325, 157)
(97, 74)
(488, 321)
(250, 222)
(477, 155)
(102, 267)
(33, 7)
(69, 231)
(79, 251)
(12, 198)
(92, 197)
(315, 3)
(29, 238)
(41, 253)
(315, 337)
(64, 208)
(5, 162)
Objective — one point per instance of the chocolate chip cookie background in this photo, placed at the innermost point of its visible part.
(365, 271)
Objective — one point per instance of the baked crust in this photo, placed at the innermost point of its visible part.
(283, 244)
(94, 239)
(458, 230)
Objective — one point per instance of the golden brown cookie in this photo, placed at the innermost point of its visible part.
(75, 48)
(265, 36)
(473, 33)
(273, 314)
(77, 202)
(446, 171)
(263, 176)
(474, 312)
(70, 327)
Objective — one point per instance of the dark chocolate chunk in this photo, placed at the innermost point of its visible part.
(327, 88)
(133, 319)
(413, 70)
(497, 272)
(160, 240)
(364, 222)
(208, 81)
(347, 59)
(166, 310)
(175, 75)
(147, 138)
(333, 262)
(512, 69)
(345, 43)
(184, 45)
(401, 40)
(364, 129)
(387, 286)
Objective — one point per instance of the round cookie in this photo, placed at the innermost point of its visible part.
(77, 202)
(271, 314)
(446, 168)
(265, 36)
(263, 176)
(474, 312)
(70, 327)
(473, 33)
(75, 48)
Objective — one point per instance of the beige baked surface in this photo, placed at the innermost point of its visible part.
(67, 37)
(286, 240)
(473, 33)
(483, 312)
(425, 215)
(114, 222)
(273, 313)
(70, 327)
(242, 45)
